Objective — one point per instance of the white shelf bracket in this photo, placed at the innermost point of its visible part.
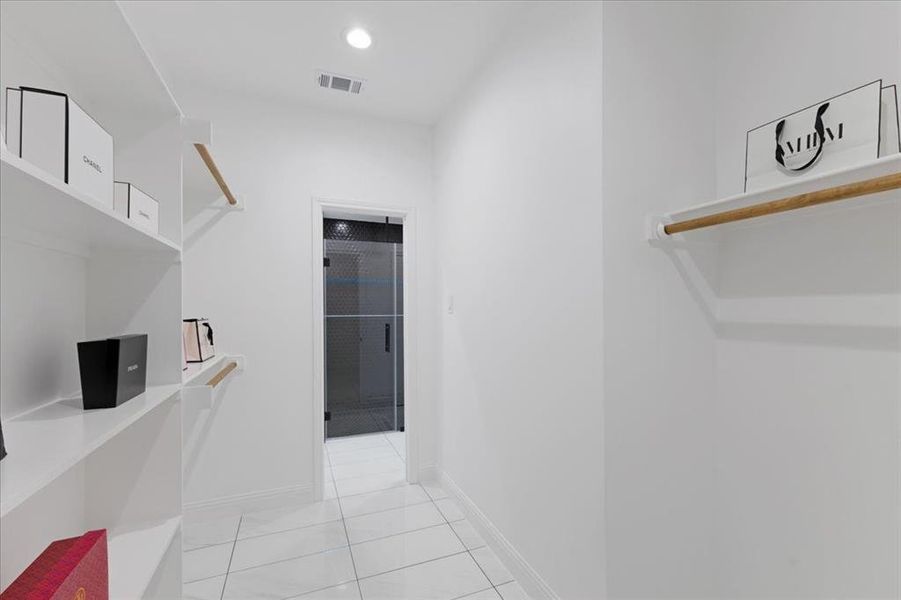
(654, 229)
(240, 206)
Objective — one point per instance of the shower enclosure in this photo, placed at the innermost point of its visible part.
(363, 276)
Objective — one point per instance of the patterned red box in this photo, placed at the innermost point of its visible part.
(71, 569)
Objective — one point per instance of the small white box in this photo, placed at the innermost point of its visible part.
(52, 132)
(137, 207)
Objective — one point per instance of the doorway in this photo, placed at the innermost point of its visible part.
(363, 325)
(368, 388)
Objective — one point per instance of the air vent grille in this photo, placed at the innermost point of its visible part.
(341, 83)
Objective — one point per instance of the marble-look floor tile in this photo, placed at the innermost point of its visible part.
(442, 579)
(362, 504)
(200, 530)
(395, 552)
(371, 483)
(292, 517)
(356, 443)
(489, 594)
(467, 534)
(450, 509)
(205, 589)
(373, 467)
(362, 456)
(392, 522)
(291, 577)
(329, 491)
(512, 591)
(492, 566)
(434, 490)
(403, 541)
(206, 562)
(345, 591)
(293, 543)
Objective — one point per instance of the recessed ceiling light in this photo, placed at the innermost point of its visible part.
(358, 38)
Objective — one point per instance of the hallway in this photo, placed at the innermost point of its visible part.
(372, 536)
(616, 284)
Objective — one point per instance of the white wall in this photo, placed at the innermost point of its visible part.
(517, 184)
(808, 402)
(745, 458)
(659, 340)
(39, 323)
(250, 272)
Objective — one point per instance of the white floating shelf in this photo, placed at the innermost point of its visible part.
(44, 443)
(876, 168)
(35, 202)
(135, 556)
(200, 373)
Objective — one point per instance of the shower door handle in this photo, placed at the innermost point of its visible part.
(387, 337)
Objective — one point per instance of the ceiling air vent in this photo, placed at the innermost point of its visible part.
(342, 83)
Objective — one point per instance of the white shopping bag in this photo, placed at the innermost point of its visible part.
(836, 133)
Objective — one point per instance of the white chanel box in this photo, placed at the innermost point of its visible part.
(49, 130)
(137, 207)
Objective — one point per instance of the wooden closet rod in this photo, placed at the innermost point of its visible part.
(218, 377)
(214, 170)
(840, 192)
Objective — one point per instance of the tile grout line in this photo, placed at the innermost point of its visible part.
(230, 557)
(417, 564)
(357, 578)
(402, 458)
(446, 522)
(366, 514)
(288, 559)
(343, 520)
(385, 537)
(375, 512)
(327, 550)
(309, 593)
(468, 551)
(399, 485)
(397, 454)
(474, 593)
(353, 562)
(259, 535)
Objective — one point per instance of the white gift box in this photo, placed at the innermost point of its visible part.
(136, 206)
(49, 130)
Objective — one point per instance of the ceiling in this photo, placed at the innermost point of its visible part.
(421, 56)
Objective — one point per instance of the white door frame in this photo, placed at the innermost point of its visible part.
(411, 331)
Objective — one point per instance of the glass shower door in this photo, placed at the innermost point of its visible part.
(362, 330)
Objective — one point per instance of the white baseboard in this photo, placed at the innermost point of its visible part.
(527, 577)
(253, 500)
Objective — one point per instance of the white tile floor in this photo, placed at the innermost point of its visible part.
(372, 537)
